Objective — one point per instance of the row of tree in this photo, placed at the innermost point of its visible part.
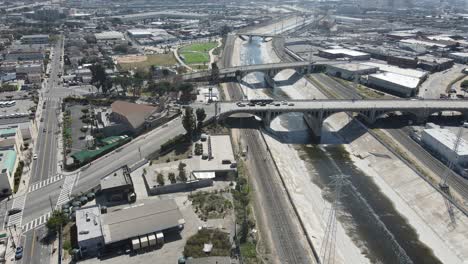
(192, 122)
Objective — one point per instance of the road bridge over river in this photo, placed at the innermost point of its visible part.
(316, 111)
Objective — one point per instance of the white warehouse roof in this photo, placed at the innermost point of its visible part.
(448, 138)
(402, 80)
(394, 69)
(347, 52)
(109, 35)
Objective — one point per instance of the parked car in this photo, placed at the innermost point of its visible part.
(35, 157)
(13, 211)
(19, 252)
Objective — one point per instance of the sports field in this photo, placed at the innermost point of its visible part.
(197, 53)
(145, 62)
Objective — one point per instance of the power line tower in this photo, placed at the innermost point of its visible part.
(443, 184)
(328, 247)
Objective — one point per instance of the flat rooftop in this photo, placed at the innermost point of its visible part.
(448, 139)
(117, 178)
(402, 80)
(88, 223)
(397, 70)
(353, 67)
(347, 52)
(140, 219)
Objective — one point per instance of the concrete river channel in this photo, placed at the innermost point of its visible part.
(368, 216)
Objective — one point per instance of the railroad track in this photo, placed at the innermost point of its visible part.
(290, 248)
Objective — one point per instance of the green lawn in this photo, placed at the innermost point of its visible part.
(157, 59)
(199, 47)
(195, 57)
(197, 53)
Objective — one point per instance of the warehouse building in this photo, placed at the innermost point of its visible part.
(442, 141)
(460, 57)
(350, 71)
(141, 225)
(434, 64)
(393, 83)
(35, 39)
(343, 53)
(110, 37)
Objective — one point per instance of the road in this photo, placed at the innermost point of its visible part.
(45, 166)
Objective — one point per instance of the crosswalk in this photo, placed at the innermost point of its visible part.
(41, 184)
(67, 188)
(15, 220)
(36, 222)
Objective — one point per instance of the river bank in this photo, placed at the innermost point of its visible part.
(421, 206)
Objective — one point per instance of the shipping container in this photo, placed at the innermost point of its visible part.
(160, 238)
(144, 241)
(152, 240)
(136, 243)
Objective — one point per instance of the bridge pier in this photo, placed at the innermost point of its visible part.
(314, 121)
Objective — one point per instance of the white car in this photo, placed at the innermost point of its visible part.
(35, 157)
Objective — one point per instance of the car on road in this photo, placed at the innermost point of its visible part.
(35, 157)
(19, 252)
(284, 103)
(13, 211)
(251, 104)
(44, 130)
(291, 104)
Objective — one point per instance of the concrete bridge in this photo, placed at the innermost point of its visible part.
(316, 111)
(249, 36)
(269, 70)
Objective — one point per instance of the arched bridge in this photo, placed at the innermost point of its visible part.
(316, 111)
(270, 70)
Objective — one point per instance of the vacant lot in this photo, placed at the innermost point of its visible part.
(145, 64)
(197, 53)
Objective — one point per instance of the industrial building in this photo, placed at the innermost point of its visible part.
(35, 39)
(434, 64)
(421, 75)
(460, 57)
(141, 226)
(442, 142)
(394, 83)
(110, 37)
(118, 186)
(350, 71)
(150, 35)
(343, 53)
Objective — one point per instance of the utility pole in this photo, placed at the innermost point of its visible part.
(443, 184)
(327, 250)
(50, 201)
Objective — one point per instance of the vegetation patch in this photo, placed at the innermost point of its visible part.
(17, 176)
(219, 239)
(197, 53)
(209, 205)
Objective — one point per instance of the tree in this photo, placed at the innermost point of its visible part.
(201, 115)
(160, 179)
(99, 75)
(122, 48)
(214, 72)
(224, 30)
(124, 82)
(182, 173)
(56, 220)
(188, 121)
(186, 89)
(464, 84)
(172, 177)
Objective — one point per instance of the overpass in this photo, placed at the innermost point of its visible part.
(317, 111)
(250, 35)
(269, 70)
